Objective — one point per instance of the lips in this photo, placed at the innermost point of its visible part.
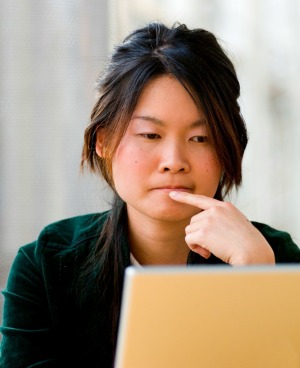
(170, 188)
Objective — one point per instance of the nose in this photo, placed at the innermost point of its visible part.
(174, 158)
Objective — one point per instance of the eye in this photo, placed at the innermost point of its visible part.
(199, 139)
(151, 136)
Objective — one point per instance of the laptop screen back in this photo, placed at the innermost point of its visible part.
(211, 317)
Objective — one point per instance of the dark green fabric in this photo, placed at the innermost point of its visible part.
(43, 325)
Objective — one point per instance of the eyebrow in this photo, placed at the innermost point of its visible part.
(159, 122)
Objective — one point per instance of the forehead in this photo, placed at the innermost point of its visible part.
(166, 98)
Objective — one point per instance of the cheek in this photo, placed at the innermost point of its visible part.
(212, 165)
(127, 160)
(128, 172)
(214, 168)
(212, 171)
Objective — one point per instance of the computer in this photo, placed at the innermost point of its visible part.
(210, 317)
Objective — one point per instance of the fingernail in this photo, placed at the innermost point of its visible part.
(173, 194)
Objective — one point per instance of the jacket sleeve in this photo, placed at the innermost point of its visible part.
(285, 250)
(28, 337)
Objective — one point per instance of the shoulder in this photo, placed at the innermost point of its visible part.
(61, 248)
(72, 231)
(69, 236)
(285, 250)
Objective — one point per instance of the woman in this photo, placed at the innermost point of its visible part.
(167, 135)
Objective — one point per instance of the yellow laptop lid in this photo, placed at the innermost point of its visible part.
(210, 317)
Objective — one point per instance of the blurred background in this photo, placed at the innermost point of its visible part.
(53, 50)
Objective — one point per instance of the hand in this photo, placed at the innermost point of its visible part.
(221, 229)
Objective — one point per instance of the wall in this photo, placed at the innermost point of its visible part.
(51, 53)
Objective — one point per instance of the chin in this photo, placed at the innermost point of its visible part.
(172, 215)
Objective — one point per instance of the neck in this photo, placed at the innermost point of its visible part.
(154, 242)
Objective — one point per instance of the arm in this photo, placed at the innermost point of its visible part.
(286, 251)
(28, 336)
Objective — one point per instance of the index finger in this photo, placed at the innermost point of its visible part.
(197, 200)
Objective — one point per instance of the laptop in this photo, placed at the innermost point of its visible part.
(210, 317)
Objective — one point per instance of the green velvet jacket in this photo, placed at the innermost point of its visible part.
(43, 323)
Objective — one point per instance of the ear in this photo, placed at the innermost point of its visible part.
(100, 147)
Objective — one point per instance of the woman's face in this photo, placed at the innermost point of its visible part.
(166, 147)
